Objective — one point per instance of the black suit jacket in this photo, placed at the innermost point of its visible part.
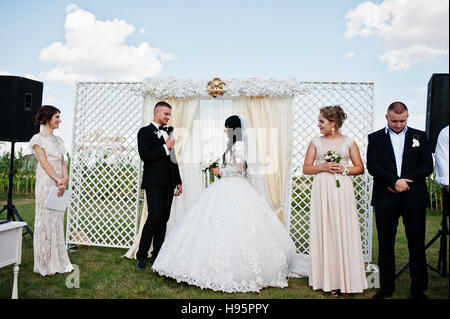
(417, 164)
(159, 169)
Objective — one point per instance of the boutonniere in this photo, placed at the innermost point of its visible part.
(415, 143)
(158, 133)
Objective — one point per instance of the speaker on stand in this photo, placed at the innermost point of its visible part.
(437, 118)
(437, 107)
(20, 99)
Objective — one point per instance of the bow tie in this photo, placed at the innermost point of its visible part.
(164, 128)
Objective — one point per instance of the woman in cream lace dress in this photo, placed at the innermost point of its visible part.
(336, 258)
(50, 254)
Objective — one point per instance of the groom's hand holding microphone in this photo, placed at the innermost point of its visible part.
(170, 142)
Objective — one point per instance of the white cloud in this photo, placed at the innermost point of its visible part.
(71, 8)
(95, 50)
(31, 76)
(349, 55)
(26, 75)
(404, 59)
(410, 31)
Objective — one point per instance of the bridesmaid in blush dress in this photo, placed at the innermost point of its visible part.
(336, 258)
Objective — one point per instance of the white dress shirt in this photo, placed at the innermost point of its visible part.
(441, 157)
(398, 144)
(165, 135)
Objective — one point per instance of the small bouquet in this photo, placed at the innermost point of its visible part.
(332, 156)
(208, 163)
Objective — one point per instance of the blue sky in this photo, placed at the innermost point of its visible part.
(397, 47)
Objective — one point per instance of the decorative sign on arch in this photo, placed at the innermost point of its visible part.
(105, 165)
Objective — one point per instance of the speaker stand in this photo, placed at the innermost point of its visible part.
(9, 207)
(443, 235)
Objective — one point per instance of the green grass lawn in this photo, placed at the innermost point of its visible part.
(104, 273)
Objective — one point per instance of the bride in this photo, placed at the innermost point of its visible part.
(230, 239)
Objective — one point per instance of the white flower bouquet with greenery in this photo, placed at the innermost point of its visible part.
(332, 156)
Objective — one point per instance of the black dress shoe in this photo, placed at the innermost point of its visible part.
(418, 295)
(140, 264)
(383, 294)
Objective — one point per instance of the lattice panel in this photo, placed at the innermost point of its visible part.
(357, 100)
(105, 165)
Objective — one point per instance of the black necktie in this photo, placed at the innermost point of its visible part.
(163, 128)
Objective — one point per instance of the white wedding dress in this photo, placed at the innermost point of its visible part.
(230, 239)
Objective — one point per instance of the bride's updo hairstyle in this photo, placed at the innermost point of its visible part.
(234, 132)
(334, 113)
(45, 114)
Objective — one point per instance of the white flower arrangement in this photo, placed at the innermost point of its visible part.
(181, 88)
(158, 133)
(210, 161)
(207, 164)
(416, 142)
(332, 156)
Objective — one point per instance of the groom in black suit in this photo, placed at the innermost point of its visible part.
(399, 159)
(161, 177)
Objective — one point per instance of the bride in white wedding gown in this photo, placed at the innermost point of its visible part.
(230, 239)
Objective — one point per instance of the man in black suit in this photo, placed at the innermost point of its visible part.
(161, 177)
(399, 159)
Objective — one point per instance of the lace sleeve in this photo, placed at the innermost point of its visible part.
(61, 147)
(237, 164)
(35, 140)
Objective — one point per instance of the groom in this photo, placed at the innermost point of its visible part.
(161, 177)
(399, 159)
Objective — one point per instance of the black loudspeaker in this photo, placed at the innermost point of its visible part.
(20, 99)
(437, 107)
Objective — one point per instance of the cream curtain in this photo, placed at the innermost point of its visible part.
(213, 113)
(184, 112)
(271, 119)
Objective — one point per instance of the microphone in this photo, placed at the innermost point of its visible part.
(170, 131)
(172, 152)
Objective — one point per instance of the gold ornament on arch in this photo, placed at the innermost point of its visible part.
(215, 87)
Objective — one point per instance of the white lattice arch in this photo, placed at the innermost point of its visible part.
(105, 165)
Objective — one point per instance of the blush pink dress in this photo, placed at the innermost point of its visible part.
(336, 257)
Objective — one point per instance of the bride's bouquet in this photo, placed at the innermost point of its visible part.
(206, 164)
(332, 156)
